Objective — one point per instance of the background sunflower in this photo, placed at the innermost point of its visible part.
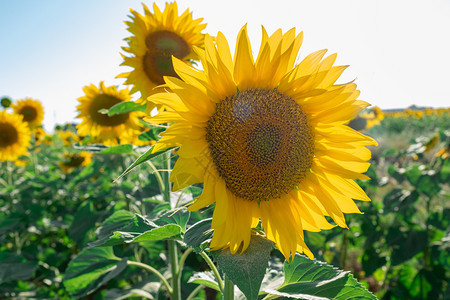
(14, 136)
(102, 128)
(31, 110)
(75, 160)
(155, 38)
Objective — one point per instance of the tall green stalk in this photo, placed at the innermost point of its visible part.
(173, 249)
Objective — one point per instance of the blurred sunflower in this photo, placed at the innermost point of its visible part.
(367, 119)
(14, 136)
(155, 38)
(31, 110)
(266, 138)
(68, 137)
(72, 161)
(102, 128)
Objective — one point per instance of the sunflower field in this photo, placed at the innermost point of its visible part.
(216, 175)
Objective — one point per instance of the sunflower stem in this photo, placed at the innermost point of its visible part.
(213, 269)
(228, 292)
(154, 271)
(173, 254)
(194, 292)
(173, 249)
(158, 176)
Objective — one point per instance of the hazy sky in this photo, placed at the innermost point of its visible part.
(398, 51)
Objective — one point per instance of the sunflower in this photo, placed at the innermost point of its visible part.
(14, 136)
(155, 38)
(31, 110)
(72, 161)
(68, 137)
(103, 128)
(267, 139)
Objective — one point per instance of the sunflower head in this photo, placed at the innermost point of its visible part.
(267, 138)
(14, 136)
(73, 161)
(156, 37)
(102, 128)
(31, 111)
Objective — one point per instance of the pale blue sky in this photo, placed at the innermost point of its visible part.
(397, 50)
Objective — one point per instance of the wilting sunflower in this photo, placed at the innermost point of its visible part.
(266, 138)
(31, 110)
(72, 161)
(101, 127)
(14, 136)
(156, 37)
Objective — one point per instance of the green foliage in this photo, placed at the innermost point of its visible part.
(311, 279)
(99, 231)
(92, 268)
(246, 270)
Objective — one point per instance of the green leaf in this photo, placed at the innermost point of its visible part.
(146, 290)
(390, 151)
(311, 279)
(117, 220)
(91, 269)
(206, 279)
(445, 171)
(140, 229)
(84, 219)
(398, 200)
(428, 185)
(15, 267)
(125, 107)
(372, 260)
(407, 245)
(413, 173)
(178, 215)
(119, 149)
(246, 270)
(143, 158)
(198, 234)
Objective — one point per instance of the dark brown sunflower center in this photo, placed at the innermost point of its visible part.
(74, 161)
(102, 101)
(261, 143)
(161, 46)
(8, 135)
(29, 113)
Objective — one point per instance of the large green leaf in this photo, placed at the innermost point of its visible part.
(15, 267)
(91, 269)
(206, 279)
(117, 220)
(139, 230)
(310, 279)
(247, 269)
(178, 215)
(198, 235)
(83, 221)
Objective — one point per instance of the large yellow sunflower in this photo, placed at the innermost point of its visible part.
(31, 110)
(266, 138)
(14, 136)
(156, 37)
(102, 128)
